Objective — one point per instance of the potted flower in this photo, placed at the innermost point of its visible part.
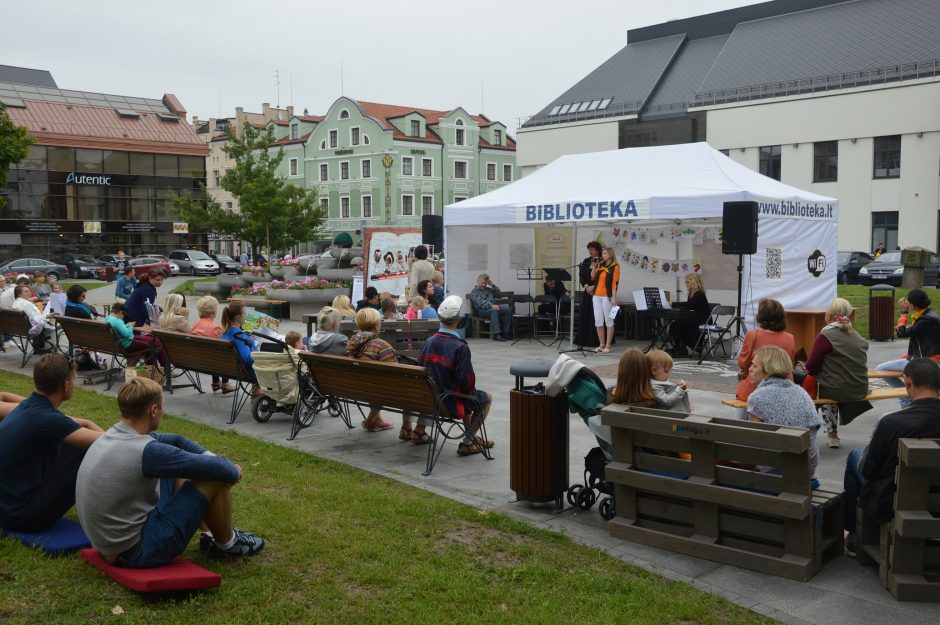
(291, 267)
(307, 295)
(255, 273)
(257, 292)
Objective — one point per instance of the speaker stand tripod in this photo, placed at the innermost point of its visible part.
(740, 329)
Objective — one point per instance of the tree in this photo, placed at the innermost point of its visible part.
(14, 147)
(274, 213)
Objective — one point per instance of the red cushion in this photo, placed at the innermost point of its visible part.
(180, 574)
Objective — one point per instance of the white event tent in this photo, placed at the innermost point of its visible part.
(660, 208)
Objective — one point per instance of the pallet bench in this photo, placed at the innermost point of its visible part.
(907, 550)
(16, 324)
(875, 395)
(689, 483)
(394, 387)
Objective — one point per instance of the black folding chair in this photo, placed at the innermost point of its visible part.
(714, 332)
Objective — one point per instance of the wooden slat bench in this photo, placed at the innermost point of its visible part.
(16, 324)
(98, 336)
(874, 374)
(687, 483)
(201, 354)
(875, 395)
(395, 387)
(907, 550)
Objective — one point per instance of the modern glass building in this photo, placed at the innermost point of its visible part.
(101, 174)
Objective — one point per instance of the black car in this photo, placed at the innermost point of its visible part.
(226, 263)
(887, 269)
(81, 265)
(849, 264)
(30, 266)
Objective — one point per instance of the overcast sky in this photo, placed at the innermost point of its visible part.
(506, 58)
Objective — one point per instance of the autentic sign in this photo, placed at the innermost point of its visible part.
(100, 181)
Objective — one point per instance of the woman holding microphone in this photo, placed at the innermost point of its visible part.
(605, 277)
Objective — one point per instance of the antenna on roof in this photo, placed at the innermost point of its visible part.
(482, 93)
(277, 83)
(292, 88)
(342, 89)
(220, 102)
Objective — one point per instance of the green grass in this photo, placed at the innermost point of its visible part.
(857, 295)
(89, 286)
(346, 546)
(189, 287)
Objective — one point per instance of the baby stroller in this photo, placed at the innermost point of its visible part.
(586, 396)
(286, 387)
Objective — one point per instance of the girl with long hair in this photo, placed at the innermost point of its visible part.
(605, 276)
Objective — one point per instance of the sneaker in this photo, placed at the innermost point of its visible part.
(246, 544)
(851, 545)
(834, 442)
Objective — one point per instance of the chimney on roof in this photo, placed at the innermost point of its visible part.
(290, 111)
(306, 112)
(266, 111)
(171, 102)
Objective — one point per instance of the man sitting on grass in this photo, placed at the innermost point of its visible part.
(446, 356)
(41, 450)
(141, 496)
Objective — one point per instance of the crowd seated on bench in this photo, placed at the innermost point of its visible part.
(233, 317)
(771, 330)
(135, 342)
(207, 307)
(75, 305)
(327, 339)
(920, 324)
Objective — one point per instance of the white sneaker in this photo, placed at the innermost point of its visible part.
(834, 442)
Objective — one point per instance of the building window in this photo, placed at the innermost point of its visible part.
(459, 198)
(344, 208)
(323, 144)
(491, 171)
(294, 131)
(884, 229)
(333, 139)
(415, 128)
(498, 134)
(324, 175)
(407, 166)
(407, 205)
(325, 205)
(725, 152)
(228, 205)
(293, 166)
(460, 169)
(344, 114)
(367, 168)
(216, 178)
(366, 206)
(427, 204)
(365, 139)
(770, 161)
(354, 135)
(887, 158)
(344, 170)
(427, 168)
(460, 133)
(825, 161)
(507, 173)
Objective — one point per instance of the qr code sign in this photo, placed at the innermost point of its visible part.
(774, 263)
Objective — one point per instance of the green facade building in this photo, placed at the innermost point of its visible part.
(380, 165)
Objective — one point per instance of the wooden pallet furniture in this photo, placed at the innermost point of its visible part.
(875, 395)
(700, 485)
(907, 550)
(394, 387)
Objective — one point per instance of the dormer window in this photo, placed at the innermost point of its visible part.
(460, 133)
(294, 131)
(498, 134)
(415, 128)
(344, 114)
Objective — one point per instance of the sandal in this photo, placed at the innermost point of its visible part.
(378, 427)
(487, 444)
(420, 438)
(598, 349)
(405, 433)
(468, 450)
(606, 350)
(216, 386)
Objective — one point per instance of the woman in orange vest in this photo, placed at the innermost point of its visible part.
(605, 276)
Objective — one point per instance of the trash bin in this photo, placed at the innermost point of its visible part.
(881, 313)
(109, 273)
(538, 437)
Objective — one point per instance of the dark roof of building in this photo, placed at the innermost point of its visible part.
(27, 76)
(289, 141)
(783, 47)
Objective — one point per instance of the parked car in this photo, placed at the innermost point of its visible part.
(849, 265)
(31, 265)
(81, 265)
(174, 268)
(142, 265)
(226, 263)
(887, 269)
(194, 262)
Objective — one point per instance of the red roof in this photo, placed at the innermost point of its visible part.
(80, 125)
(288, 140)
(382, 113)
(510, 144)
(311, 118)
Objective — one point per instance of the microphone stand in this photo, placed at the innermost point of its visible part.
(570, 338)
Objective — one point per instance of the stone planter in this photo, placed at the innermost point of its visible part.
(306, 301)
(324, 262)
(276, 271)
(254, 278)
(213, 288)
(350, 252)
(232, 281)
(346, 273)
(252, 298)
(291, 272)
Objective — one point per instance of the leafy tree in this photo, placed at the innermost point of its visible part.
(274, 213)
(14, 147)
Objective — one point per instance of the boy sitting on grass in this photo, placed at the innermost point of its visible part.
(141, 496)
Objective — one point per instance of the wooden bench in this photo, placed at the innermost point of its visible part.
(16, 324)
(395, 387)
(479, 321)
(875, 395)
(907, 550)
(263, 303)
(98, 336)
(887, 373)
(687, 483)
(201, 354)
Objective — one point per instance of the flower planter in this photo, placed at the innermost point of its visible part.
(345, 273)
(306, 301)
(255, 278)
(253, 298)
(350, 252)
(232, 281)
(211, 287)
(289, 272)
(276, 271)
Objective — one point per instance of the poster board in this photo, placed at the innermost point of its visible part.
(388, 253)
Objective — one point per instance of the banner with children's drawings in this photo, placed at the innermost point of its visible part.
(671, 234)
(653, 264)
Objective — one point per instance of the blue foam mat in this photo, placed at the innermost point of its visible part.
(64, 536)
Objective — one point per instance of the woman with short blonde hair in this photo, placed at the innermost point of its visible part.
(343, 305)
(207, 307)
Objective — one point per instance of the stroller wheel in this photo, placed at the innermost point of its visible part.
(308, 410)
(262, 408)
(333, 408)
(573, 494)
(586, 498)
(606, 508)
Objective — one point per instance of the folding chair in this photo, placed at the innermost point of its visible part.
(523, 316)
(713, 332)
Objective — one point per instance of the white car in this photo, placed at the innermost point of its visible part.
(194, 262)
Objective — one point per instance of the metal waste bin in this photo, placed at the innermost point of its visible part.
(881, 313)
(538, 437)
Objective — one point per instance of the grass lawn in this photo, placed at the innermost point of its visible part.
(89, 286)
(189, 287)
(345, 546)
(857, 295)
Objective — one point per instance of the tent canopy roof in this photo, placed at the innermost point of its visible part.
(686, 181)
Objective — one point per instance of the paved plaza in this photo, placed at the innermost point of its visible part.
(842, 592)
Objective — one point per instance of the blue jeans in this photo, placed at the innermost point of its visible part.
(501, 320)
(895, 365)
(852, 483)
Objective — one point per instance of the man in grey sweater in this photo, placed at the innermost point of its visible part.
(140, 496)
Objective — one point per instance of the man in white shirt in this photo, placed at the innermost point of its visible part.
(40, 331)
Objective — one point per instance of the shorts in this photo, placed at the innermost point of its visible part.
(169, 526)
(602, 307)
